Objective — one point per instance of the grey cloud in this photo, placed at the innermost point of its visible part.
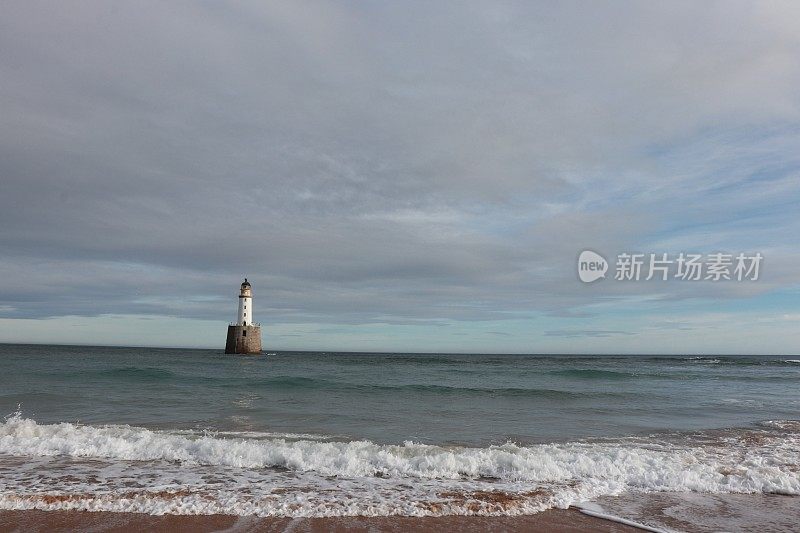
(378, 163)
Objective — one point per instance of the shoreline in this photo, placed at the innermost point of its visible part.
(563, 520)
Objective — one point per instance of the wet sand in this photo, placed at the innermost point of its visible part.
(691, 511)
(562, 520)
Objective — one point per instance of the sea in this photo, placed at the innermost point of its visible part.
(672, 442)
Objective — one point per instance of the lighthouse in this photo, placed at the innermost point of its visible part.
(244, 337)
(245, 304)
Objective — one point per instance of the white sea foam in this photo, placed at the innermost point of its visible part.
(704, 360)
(256, 435)
(124, 468)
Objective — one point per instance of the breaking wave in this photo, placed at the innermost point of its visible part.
(126, 468)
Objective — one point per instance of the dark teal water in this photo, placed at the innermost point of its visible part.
(470, 400)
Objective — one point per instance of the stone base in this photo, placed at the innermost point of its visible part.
(243, 340)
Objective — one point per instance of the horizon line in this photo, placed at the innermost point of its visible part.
(383, 352)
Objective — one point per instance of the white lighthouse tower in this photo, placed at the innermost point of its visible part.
(244, 336)
(245, 305)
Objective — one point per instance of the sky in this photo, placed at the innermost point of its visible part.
(398, 176)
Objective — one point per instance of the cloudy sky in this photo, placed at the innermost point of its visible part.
(398, 175)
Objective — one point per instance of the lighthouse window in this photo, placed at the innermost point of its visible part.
(244, 333)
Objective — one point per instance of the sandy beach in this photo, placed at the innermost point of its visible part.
(566, 520)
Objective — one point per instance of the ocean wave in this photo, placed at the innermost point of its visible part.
(745, 361)
(592, 373)
(298, 382)
(407, 478)
(133, 373)
(496, 391)
(722, 360)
